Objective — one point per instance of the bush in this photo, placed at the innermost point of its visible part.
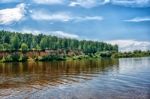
(50, 58)
(23, 58)
(105, 54)
(7, 58)
(14, 58)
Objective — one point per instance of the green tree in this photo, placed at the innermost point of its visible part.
(15, 42)
(44, 43)
(24, 47)
(1, 47)
(38, 47)
(7, 47)
(33, 43)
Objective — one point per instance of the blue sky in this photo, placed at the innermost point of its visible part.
(122, 22)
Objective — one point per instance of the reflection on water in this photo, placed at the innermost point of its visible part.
(52, 73)
(84, 79)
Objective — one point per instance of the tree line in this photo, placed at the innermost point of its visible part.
(15, 41)
(135, 53)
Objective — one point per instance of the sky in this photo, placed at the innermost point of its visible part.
(122, 22)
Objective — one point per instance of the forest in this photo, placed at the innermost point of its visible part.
(15, 46)
(12, 41)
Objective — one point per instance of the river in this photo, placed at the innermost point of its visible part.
(125, 78)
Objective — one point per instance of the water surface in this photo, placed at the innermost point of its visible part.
(126, 78)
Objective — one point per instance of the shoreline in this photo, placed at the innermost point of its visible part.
(51, 58)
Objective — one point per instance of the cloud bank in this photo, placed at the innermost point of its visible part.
(10, 15)
(88, 3)
(62, 17)
(59, 16)
(131, 3)
(64, 34)
(48, 2)
(94, 3)
(84, 3)
(131, 45)
(60, 34)
(139, 19)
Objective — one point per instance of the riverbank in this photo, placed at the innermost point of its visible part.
(62, 55)
(24, 58)
(19, 47)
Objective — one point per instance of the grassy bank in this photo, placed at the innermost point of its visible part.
(22, 57)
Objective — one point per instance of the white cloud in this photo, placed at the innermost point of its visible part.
(83, 3)
(60, 34)
(32, 31)
(132, 3)
(26, 30)
(49, 2)
(10, 15)
(88, 3)
(138, 19)
(88, 18)
(93, 3)
(62, 16)
(131, 45)
(106, 1)
(64, 34)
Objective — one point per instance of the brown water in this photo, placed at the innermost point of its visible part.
(127, 78)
